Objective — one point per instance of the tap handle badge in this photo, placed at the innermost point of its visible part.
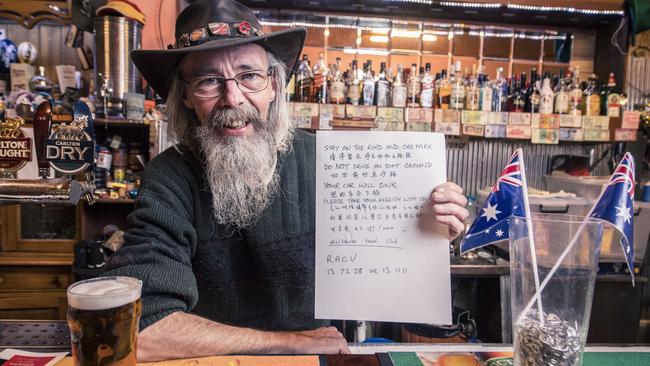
(71, 147)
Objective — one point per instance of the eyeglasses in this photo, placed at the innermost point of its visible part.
(212, 86)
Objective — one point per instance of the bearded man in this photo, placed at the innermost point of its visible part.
(223, 230)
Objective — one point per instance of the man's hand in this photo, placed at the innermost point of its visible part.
(183, 335)
(449, 207)
(326, 340)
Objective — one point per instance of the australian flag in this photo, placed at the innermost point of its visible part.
(505, 199)
(616, 205)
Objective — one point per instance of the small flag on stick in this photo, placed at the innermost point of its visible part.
(616, 205)
(505, 199)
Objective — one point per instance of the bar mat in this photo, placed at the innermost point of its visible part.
(50, 335)
(616, 358)
(230, 361)
(405, 359)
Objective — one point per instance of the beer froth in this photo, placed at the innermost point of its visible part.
(104, 293)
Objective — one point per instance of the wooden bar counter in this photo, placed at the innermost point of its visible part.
(404, 354)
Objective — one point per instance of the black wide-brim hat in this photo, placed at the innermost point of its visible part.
(211, 25)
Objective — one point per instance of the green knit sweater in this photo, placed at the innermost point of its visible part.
(261, 277)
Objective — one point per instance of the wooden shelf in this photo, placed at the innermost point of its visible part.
(493, 58)
(35, 259)
(114, 200)
(109, 122)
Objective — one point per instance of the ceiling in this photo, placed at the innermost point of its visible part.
(476, 11)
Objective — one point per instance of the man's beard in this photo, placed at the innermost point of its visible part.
(240, 170)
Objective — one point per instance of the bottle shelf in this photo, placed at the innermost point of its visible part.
(120, 122)
(110, 122)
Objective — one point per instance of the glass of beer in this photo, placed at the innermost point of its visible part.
(103, 316)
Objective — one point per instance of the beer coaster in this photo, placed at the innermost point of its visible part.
(16, 357)
(244, 360)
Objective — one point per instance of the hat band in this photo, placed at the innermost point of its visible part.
(216, 31)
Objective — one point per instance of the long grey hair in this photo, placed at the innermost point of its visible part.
(239, 172)
(183, 121)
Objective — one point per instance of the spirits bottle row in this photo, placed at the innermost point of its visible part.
(545, 94)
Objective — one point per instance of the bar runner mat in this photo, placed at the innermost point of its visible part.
(505, 359)
(395, 359)
(314, 360)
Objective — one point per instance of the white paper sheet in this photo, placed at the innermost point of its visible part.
(379, 254)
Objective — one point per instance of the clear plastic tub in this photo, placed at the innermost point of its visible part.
(587, 186)
(553, 330)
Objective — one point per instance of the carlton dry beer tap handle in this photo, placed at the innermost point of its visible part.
(42, 122)
(70, 149)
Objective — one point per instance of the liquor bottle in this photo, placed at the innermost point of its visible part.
(546, 97)
(320, 80)
(457, 99)
(436, 89)
(337, 89)
(575, 95)
(362, 72)
(399, 89)
(532, 93)
(426, 88)
(472, 92)
(436, 83)
(511, 92)
(562, 95)
(591, 98)
(523, 88)
(500, 92)
(517, 99)
(40, 82)
(443, 90)
(304, 81)
(354, 85)
(413, 88)
(610, 100)
(486, 93)
(368, 85)
(383, 87)
(291, 89)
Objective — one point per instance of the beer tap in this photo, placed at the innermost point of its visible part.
(59, 190)
(106, 92)
(68, 148)
(42, 120)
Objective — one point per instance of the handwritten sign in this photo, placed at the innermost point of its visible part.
(379, 253)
